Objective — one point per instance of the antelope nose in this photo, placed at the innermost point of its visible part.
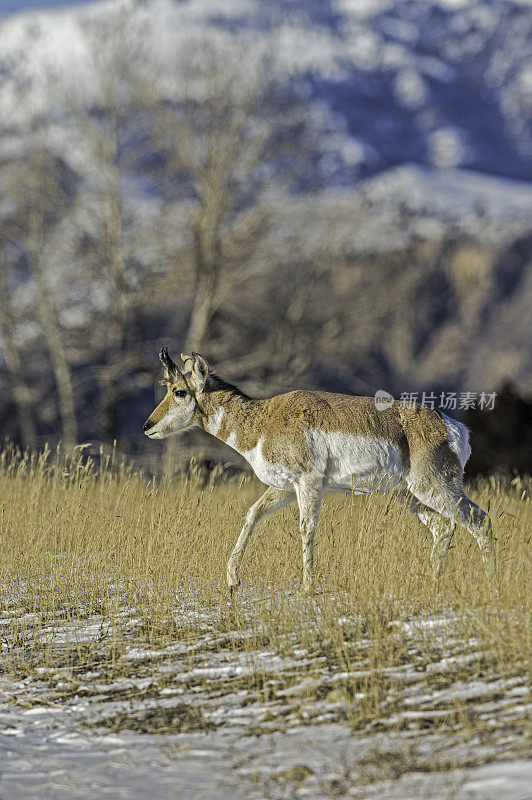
(147, 425)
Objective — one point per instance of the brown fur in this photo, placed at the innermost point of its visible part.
(418, 431)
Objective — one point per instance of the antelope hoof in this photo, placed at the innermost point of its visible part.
(233, 582)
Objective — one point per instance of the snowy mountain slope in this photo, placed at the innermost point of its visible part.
(399, 206)
(441, 84)
(452, 194)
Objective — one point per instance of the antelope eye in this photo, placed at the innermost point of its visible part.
(179, 393)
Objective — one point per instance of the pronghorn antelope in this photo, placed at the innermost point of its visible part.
(304, 443)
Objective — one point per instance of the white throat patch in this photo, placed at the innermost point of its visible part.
(215, 420)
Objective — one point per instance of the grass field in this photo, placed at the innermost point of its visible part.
(115, 620)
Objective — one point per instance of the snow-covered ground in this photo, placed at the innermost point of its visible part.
(45, 755)
(203, 718)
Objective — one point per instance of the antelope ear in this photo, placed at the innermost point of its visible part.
(199, 372)
(188, 362)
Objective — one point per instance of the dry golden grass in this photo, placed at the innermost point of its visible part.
(144, 563)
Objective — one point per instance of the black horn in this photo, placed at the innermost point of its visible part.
(171, 369)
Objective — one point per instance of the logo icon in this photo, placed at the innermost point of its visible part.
(383, 400)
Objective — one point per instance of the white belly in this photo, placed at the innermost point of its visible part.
(357, 463)
(348, 463)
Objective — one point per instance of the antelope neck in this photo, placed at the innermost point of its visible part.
(225, 411)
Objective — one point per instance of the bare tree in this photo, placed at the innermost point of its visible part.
(22, 393)
(107, 222)
(215, 140)
(40, 199)
(44, 191)
(111, 253)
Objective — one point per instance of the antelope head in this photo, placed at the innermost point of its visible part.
(178, 409)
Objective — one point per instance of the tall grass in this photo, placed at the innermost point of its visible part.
(145, 562)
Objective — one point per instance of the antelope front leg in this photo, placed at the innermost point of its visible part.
(271, 501)
(309, 500)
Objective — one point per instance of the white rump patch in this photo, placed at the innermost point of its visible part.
(215, 420)
(458, 437)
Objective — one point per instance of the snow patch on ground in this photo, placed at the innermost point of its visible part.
(53, 741)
